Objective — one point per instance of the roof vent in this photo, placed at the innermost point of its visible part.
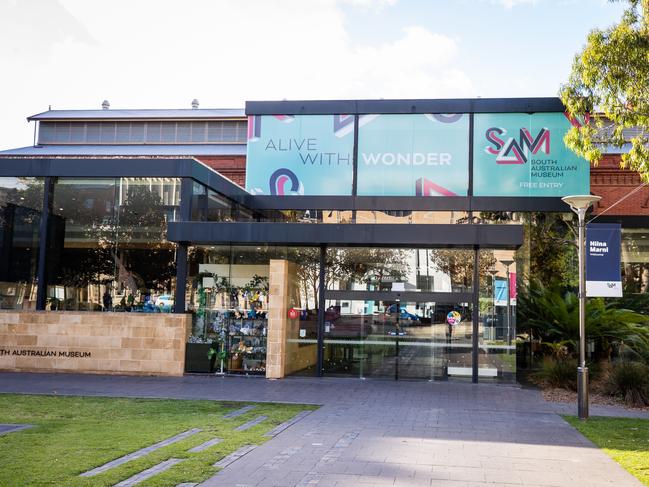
(194, 104)
(105, 105)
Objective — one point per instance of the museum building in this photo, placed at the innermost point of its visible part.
(358, 238)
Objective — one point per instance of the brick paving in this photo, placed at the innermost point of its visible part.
(384, 432)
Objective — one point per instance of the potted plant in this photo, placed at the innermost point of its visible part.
(217, 353)
(55, 303)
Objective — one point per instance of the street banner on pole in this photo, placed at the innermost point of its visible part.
(603, 274)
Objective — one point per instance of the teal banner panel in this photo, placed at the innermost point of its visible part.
(519, 154)
(413, 155)
(300, 155)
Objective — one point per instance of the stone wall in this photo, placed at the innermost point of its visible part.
(103, 343)
(286, 353)
(277, 318)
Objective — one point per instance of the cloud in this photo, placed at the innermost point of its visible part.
(161, 54)
(509, 4)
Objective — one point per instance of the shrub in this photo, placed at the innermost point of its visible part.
(558, 373)
(630, 381)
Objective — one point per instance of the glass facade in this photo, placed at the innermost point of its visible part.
(228, 296)
(397, 339)
(108, 249)
(497, 323)
(635, 260)
(396, 269)
(21, 204)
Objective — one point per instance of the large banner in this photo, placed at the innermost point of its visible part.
(413, 155)
(514, 154)
(603, 269)
(300, 154)
(518, 154)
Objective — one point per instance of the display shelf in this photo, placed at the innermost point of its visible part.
(246, 346)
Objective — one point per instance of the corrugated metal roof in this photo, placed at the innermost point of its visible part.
(185, 113)
(129, 150)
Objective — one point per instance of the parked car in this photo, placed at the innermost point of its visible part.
(165, 301)
(403, 315)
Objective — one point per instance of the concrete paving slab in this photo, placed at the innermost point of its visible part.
(149, 472)
(12, 428)
(251, 423)
(140, 453)
(206, 445)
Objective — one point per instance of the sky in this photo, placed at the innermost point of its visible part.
(73, 54)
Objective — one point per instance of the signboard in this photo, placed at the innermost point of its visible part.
(514, 154)
(453, 318)
(519, 154)
(500, 292)
(603, 272)
(300, 154)
(413, 155)
(501, 289)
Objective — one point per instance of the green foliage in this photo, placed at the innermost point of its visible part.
(630, 381)
(625, 440)
(552, 312)
(558, 373)
(611, 75)
(553, 254)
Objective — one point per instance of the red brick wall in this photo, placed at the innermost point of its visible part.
(232, 167)
(612, 184)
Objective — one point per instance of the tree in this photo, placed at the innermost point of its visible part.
(356, 265)
(458, 263)
(553, 253)
(611, 76)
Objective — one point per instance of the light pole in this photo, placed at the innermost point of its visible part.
(507, 263)
(493, 272)
(580, 204)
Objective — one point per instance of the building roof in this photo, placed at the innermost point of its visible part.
(129, 150)
(144, 114)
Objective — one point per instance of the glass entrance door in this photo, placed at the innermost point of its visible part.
(397, 339)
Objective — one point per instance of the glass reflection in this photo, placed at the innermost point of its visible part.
(108, 249)
(397, 340)
(21, 203)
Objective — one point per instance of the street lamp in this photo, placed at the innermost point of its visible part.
(493, 272)
(580, 204)
(507, 263)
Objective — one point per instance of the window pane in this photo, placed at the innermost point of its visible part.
(21, 201)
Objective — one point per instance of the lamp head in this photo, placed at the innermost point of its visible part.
(580, 201)
(506, 262)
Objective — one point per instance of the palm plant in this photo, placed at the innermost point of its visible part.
(552, 312)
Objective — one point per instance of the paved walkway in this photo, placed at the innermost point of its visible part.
(379, 433)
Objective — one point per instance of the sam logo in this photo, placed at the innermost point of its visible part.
(512, 151)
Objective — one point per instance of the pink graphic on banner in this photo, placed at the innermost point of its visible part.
(279, 179)
(512, 285)
(425, 187)
(285, 118)
(514, 151)
(254, 127)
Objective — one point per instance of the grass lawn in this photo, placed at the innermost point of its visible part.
(625, 440)
(75, 434)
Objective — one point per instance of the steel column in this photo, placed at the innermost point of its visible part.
(321, 311)
(476, 314)
(41, 289)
